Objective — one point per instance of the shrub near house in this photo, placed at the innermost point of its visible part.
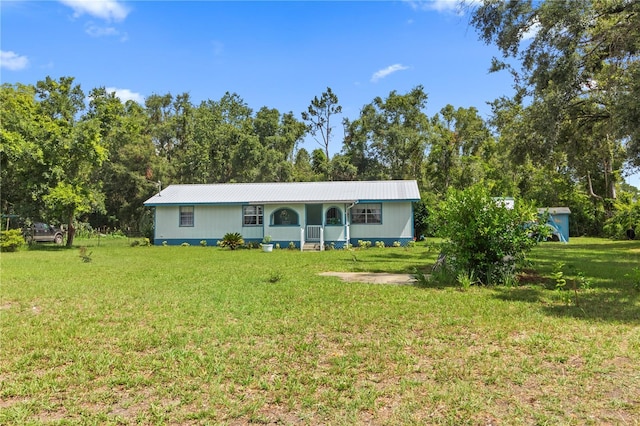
(483, 240)
(233, 240)
(11, 240)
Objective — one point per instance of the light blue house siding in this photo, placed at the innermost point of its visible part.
(396, 225)
(212, 222)
(327, 212)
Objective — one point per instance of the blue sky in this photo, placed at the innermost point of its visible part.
(275, 54)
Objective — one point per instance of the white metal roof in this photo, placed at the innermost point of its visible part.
(287, 192)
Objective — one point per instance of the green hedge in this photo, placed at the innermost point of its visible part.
(11, 240)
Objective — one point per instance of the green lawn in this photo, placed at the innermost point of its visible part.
(201, 335)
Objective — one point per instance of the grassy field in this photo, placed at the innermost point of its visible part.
(201, 335)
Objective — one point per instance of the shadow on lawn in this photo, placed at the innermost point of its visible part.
(609, 267)
(47, 247)
(390, 260)
(624, 245)
(382, 266)
(611, 305)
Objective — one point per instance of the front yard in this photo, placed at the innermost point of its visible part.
(201, 335)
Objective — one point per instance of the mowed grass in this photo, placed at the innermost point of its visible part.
(201, 335)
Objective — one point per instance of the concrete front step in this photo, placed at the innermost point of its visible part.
(311, 246)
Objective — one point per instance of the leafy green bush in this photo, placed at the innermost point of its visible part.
(233, 240)
(364, 244)
(465, 281)
(626, 216)
(482, 238)
(84, 230)
(11, 240)
(421, 215)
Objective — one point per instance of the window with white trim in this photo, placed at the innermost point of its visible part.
(285, 217)
(186, 215)
(366, 213)
(252, 216)
(333, 216)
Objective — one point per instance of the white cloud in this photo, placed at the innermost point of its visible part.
(12, 61)
(97, 31)
(126, 95)
(386, 71)
(531, 32)
(109, 10)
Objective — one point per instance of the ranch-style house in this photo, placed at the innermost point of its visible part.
(315, 213)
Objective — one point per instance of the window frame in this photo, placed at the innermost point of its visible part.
(368, 213)
(294, 221)
(339, 216)
(186, 219)
(258, 215)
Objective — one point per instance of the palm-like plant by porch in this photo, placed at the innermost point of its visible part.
(233, 240)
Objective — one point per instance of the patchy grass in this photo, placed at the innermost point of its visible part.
(200, 335)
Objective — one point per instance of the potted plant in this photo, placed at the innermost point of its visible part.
(266, 244)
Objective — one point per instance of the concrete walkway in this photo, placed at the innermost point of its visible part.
(372, 277)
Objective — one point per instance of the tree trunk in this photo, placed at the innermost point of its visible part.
(71, 232)
(593, 194)
(611, 183)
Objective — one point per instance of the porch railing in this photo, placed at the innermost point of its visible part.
(313, 232)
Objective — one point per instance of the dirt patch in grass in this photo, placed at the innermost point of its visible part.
(372, 277)
(533, 277)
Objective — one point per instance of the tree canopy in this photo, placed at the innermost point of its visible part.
(563, 139)
(575, 111)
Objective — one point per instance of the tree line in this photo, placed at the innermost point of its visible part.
(564, 139)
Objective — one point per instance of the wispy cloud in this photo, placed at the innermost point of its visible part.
(458, 7)
(380, 74)
(12, 61)
(437, 5)
(109, 10)
(95, 30)
(126, 94)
